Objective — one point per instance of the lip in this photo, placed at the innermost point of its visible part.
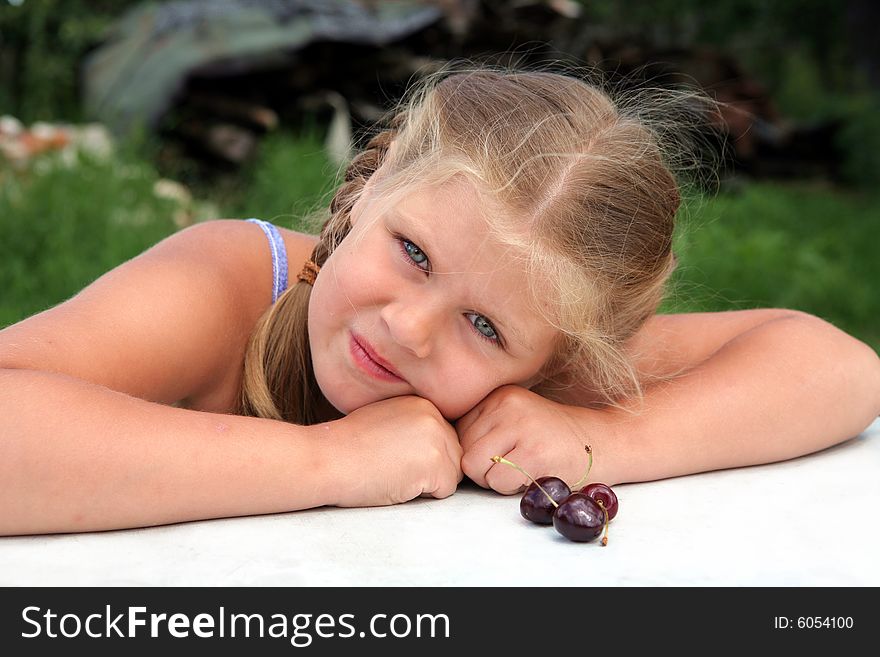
(370, 362)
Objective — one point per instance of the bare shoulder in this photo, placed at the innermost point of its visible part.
(169, 325)
(242, 250)
(299, 249)
(671, 344)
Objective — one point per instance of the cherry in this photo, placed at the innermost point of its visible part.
(604, 493)
(537, 503)
(579, 518)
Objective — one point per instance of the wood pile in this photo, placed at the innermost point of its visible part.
(221, 116)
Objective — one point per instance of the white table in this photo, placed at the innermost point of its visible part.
(809, 521)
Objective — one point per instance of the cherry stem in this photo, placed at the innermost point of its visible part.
(501, 459)
(589, 451)
(605, 511)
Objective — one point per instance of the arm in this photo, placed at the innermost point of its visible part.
(784, 385)
(784, 388)
(87, 442)
(76, 456)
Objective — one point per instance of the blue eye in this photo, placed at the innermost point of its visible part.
(413, 252)
(485, 328)
(416, 257)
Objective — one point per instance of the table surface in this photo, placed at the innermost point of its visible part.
(810, 521)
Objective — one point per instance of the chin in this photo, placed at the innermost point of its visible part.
(343, 395)
(337, 399)
(344, 408)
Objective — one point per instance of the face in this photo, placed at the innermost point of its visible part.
(421, 289)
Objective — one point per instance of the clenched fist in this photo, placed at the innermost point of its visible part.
(392, 451)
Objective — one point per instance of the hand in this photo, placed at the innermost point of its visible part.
(392, 451)
(541, 436)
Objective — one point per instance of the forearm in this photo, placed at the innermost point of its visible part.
(79, 457)
(780, 390)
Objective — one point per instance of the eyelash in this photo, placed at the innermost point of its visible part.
(401, 243)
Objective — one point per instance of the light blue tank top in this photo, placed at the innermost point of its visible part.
(279, 257)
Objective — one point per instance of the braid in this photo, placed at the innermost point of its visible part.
(279, 379)
(358, 172)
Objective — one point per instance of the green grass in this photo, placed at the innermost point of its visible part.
(795, 246)
(66, 226)
(789, 246)
(288, 181)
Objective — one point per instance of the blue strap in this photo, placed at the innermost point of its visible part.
(279, 257)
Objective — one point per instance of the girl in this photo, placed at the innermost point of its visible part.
(486, 284)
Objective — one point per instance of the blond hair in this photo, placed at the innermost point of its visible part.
(591, 202)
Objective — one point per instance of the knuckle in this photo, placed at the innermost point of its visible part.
(450, 482)
(437, 457)
(428, 425)
(509, 393)
(527, 456)
(469, 464)
(427, 407)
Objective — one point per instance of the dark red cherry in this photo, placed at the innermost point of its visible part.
(603, 493)
(579, 518)
(536, 506)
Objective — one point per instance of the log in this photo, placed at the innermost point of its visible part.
(234, 109)
(226, 141)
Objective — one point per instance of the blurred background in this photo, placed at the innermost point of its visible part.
(124, 121)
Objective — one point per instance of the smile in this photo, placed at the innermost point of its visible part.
(365, 362)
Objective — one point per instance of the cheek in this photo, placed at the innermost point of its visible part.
(336, 284)
(349, 283)
(357, 269)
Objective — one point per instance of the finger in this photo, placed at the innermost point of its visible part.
(483, 409)
(479, 427)
(464, 425)
(447, 478)
(451, 481)
(454, 450)
(477, 460)
(508, 480)
(455, 463)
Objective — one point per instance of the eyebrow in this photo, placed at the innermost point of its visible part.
(426, 238)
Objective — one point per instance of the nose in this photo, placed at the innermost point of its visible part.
(413, 325)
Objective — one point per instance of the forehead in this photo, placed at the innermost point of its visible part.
(457, 211)
(453, 224)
